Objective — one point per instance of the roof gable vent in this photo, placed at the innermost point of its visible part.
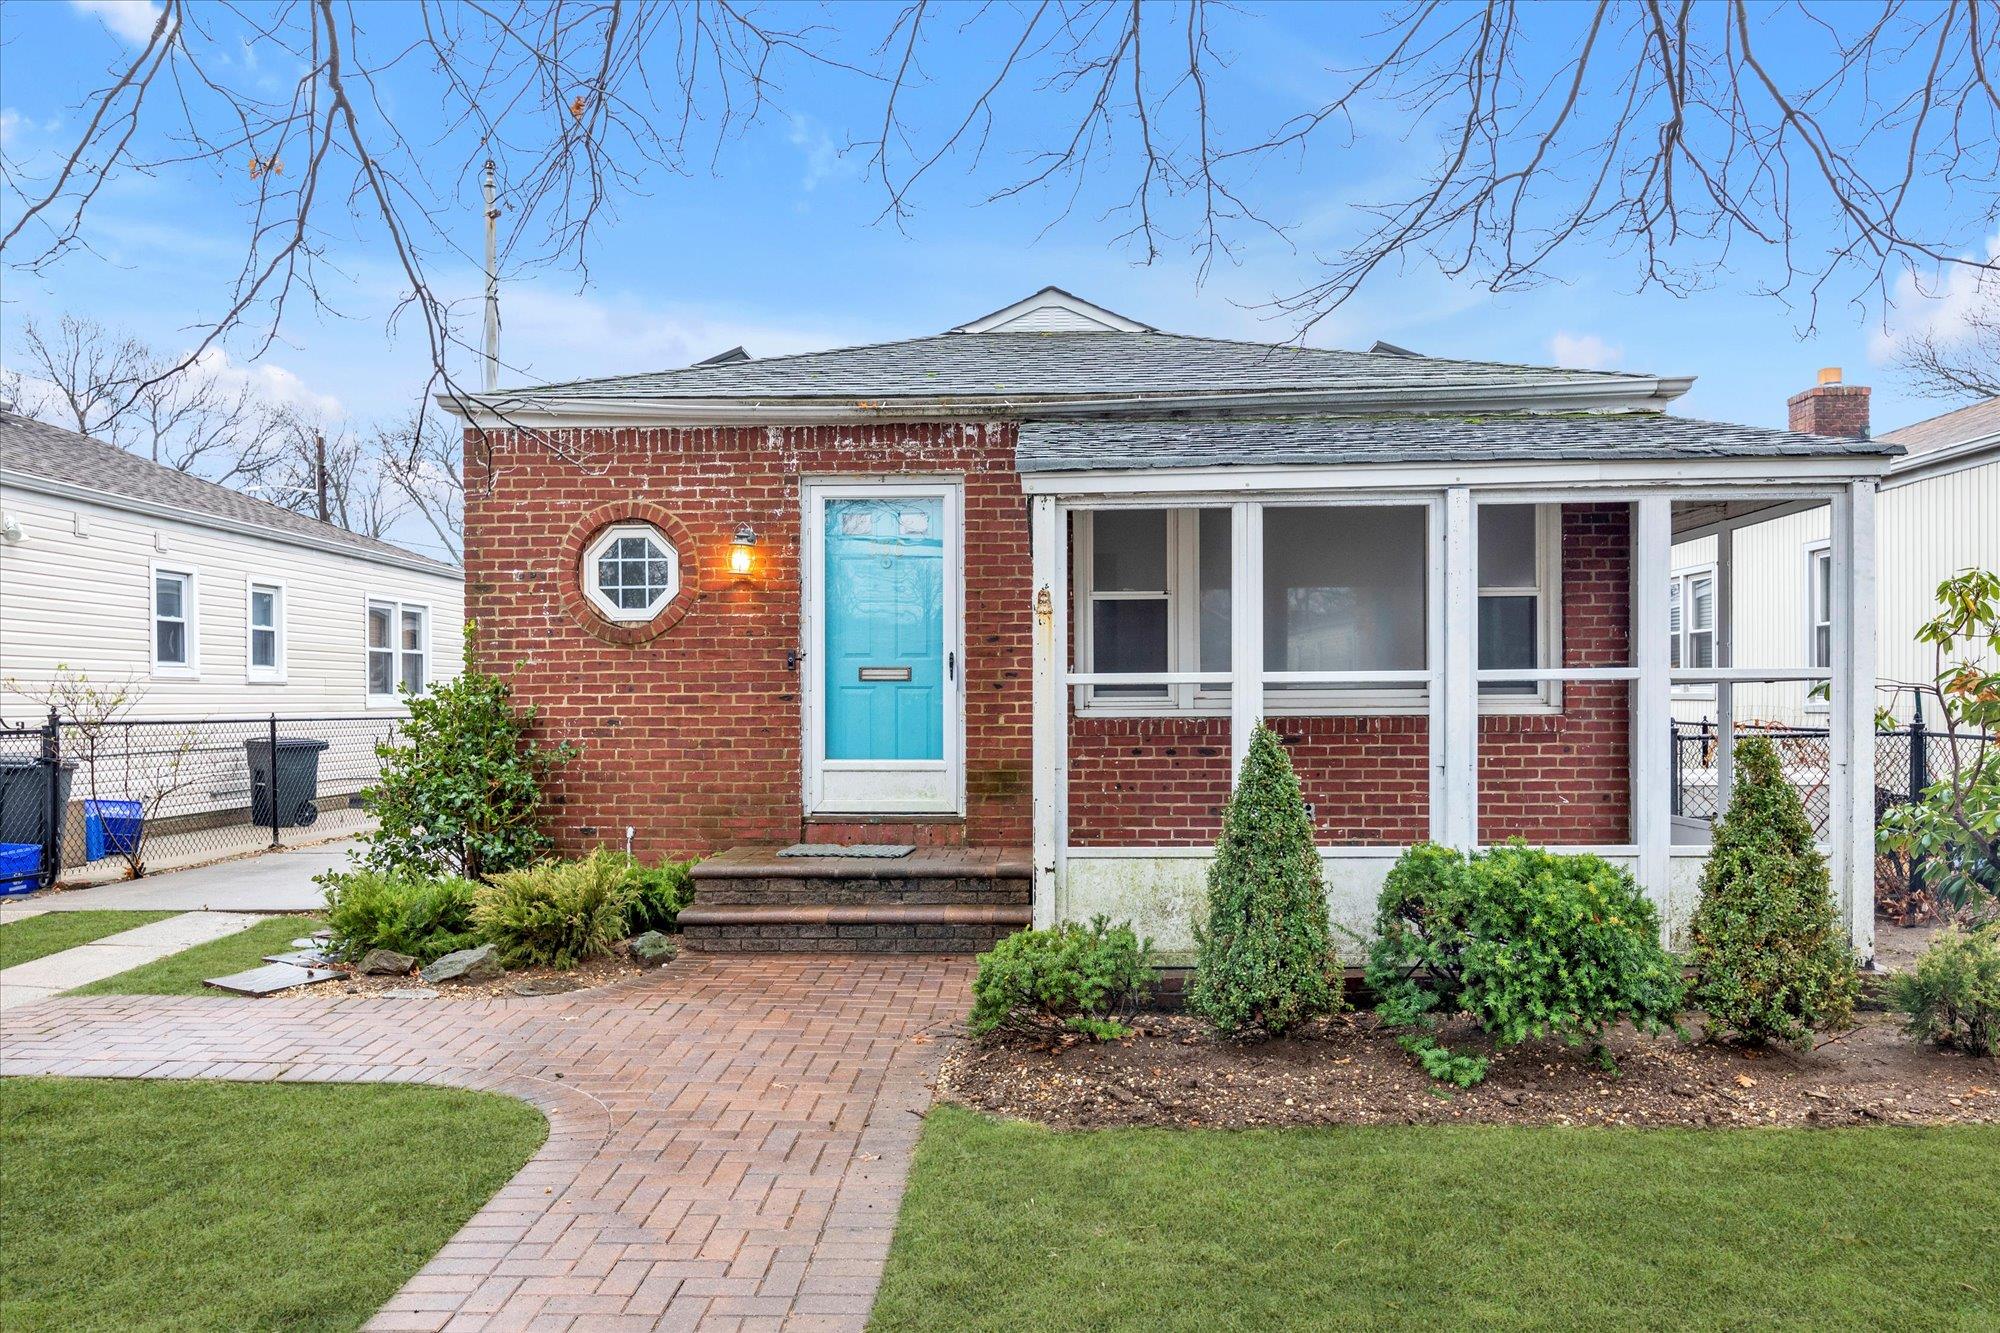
(1053, 310)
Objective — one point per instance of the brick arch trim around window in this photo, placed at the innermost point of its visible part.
(578, 605)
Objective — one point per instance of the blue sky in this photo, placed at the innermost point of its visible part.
(781, 248)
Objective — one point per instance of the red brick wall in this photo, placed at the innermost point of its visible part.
(1830, 409)
(693, 735)
(1549, 778)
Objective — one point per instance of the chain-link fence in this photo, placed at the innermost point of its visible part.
(101, 800)
(1907, 759)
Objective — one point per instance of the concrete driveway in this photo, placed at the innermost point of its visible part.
(269, 882)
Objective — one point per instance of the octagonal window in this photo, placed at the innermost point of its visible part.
(631, 571)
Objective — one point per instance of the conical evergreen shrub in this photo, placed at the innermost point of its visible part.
(1771, 958)
(1264, 961)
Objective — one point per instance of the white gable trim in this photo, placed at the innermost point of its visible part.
(1053, 310)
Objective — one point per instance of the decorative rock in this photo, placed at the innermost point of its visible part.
(544, 986)
(481, 964)
(385, 963)
(652, 948)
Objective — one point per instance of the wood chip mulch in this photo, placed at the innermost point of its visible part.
(1348, 1071)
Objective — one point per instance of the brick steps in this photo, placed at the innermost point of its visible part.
(937, 900)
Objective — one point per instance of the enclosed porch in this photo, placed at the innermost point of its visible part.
(1461, 650)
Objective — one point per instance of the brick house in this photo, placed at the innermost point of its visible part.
(1014, 596)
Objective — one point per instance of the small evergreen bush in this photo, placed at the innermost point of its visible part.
(1952, 996)
(657, 895)
(1264, 960)
(1071, 978)
(373, 909)
(1525, 942)
(556, 914)
(1771, 958)
(460, 790)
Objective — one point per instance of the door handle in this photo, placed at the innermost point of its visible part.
(951, 666)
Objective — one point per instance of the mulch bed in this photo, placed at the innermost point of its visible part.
(525, 981)
(1348, 1071)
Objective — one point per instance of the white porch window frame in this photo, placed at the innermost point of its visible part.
(1819, 610)
(1682, 627)
(1452, 634)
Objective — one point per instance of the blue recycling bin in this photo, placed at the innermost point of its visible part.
(112, 828)
(20, 868)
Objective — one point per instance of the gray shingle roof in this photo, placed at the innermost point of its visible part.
(1085, 446)
(31, 448)
(1981, 420)
(1017, 366)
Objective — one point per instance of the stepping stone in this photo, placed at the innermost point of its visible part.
(300, 958)
(409, 993)
(271, 978)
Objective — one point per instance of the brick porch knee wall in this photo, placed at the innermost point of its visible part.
(1552, 778)
(692, 735)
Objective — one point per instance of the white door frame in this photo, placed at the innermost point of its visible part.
(945, 796)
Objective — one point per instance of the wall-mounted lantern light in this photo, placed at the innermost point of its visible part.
(740, 549)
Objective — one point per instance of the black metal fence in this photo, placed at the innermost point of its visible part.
(105, 799)
(1907, 760)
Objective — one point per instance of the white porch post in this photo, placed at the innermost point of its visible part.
(1851, 715)
(1725, 656)
(1051, 716)
(1246, 629)
(1652, 695)
(1455, 816)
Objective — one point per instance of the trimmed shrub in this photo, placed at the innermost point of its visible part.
(1524, 942)
(1265, 961)
(460, 790)
(373, 909)
(1952, 995)
(1771, 959)
(1071, 978)
(556, 914)
(657, 895)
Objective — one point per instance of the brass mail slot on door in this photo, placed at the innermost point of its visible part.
(885, 673)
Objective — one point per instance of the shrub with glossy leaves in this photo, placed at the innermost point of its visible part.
(1069, 978)
(1771, 957)
(1526, 943)
(556, 914)
(1265, 961)
(1952, 995)
(425, 918)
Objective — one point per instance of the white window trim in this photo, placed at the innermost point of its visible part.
(252, 673)
(1815, 549)
(395, 698)
(190, 617)
(1184, 630)
(1684, 578)
(603, 605)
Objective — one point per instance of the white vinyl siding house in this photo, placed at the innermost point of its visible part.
(206, 614)
(1938, 513)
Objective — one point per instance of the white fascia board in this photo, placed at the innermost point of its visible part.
(63, 490)
(1739, 475)
(525, 411)
(1938, 462)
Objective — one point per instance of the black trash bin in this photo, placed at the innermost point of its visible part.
(296, 781)
(24, 798)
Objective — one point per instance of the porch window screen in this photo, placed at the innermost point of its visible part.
(1510, 595)
(1344, 590)
(1130, 609)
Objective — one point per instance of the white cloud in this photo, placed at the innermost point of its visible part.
(267, 381)
(132, 20)
(1584, 351)
(1940, 309)
(821, 154)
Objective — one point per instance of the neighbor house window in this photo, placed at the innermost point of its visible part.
(1691, 624)
(1819, 581)
(266, 619)
(398, 650)
(1345, 590)
(173, 622)
(631, 571)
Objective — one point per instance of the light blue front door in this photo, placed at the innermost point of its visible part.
(885, 628)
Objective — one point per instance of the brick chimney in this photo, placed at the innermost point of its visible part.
(1831, 408)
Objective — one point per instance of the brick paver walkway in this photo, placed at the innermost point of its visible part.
(728, 1138)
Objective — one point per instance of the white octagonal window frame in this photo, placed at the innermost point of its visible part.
(609, 602)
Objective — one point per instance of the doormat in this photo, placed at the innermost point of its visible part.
(879, 851)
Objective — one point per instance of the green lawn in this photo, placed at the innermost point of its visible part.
(1008, 1226)
(191, 1205)
(182, 973)
(52, 932)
